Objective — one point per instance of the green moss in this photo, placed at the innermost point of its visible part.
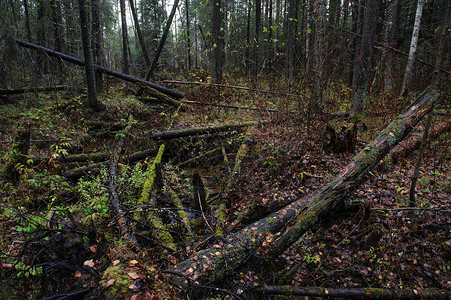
(121, 284)
(221, 220)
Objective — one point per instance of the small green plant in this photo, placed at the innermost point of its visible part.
(311, 259)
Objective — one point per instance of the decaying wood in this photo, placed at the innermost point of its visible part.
(231, 87)
(354, 293)
(148, 197)
(191, 160)
(181, 212)
(111, 72)
(200, 194)
(35, 90)
(159, 95)
(211, 265)
(78, 172)
(339, 141)
(236, 171)
(414, 142)
(229, 106)
(201, 130)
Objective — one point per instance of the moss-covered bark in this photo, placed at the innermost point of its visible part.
(213, 264)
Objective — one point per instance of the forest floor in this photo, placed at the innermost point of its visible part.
(60, 236)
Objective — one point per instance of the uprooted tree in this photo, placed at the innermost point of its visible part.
(281, 229)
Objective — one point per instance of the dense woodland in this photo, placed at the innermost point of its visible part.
(220, 149)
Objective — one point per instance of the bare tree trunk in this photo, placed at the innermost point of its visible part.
(97, 43)
(290, 41)
(188, 37)
(363, 65)
(138, 30)
(27, 20)
(319, 52)
(124, 38)
(162, 41)
(308, 33)
(395, 9)
(435, 79)
(218, 42)
(89, 66)
(413, 48)
(256, 54)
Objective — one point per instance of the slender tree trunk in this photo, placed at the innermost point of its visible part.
(290, 41)
(389, 80)
(162, 41)
(138, 31)
(276, 42)
(218, 42)
(413, 48)
(435, 80)
(89, 66)
(270, 41)
(188, 37)
(308, 32)
(248, 33)
(363, 65)
(27, 20)
(256, 54)
(97, 43)
(319, 50)
(124, 38)
(56, 20)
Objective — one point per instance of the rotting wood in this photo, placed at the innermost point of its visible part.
(201, 130)
(159, 95)
(191, 160)
(236, 171)
(200, 194)
(35, 90)
(78, 172)
(148, 197)
(232, 87)
(414, 142)
(354, 293)
(181, 212)
(236, 249)
(124, 229)
(229, 106)
(169, 92)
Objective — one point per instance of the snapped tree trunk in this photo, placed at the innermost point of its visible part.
(211, 265)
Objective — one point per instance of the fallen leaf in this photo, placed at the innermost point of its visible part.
(110, 282)
(133, 275)
(116, 262)
(89, 263)
(93, 248)
(135, 297)
(77, 274)
(133, 262)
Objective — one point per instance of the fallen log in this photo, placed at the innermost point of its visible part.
(354, 293)
(229, 106)
(111, 72)
(414, 142)
(35, 90)
(211, 265)
(164, 135)
(159, 95)
(78, 172)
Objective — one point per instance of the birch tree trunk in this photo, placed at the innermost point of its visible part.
(413, 47)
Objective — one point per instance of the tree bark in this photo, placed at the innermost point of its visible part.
(319, 45)
(395, 9)
(217, 46)
(89, 66)
(138, 31)
(120, 75)
(213, 264)
(97, 43)
(354, 293)
(413, 47)
(124, 37)
(363, 64)
(162, 41)
(200, 130)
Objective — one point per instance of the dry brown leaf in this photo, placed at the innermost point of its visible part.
(93, 248)
(133, 262)
(116, 262)
(133, 275)
(77, 274)
(89, 263)
(110, 282)
(135, 297)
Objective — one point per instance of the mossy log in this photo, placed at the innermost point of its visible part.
(281, 229)
(414, 142)
(181, 212)
(160, 96)
(354, 293)
(78, 172)
(148, 197)
(201, 130)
